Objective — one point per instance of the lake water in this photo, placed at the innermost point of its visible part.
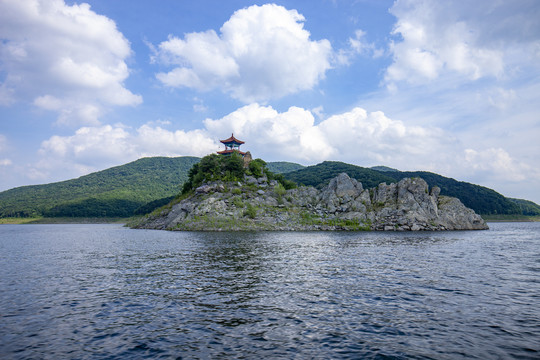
(105, 291)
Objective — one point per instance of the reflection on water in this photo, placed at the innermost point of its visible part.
(103, 291)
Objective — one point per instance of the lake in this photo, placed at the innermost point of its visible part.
(105, 291)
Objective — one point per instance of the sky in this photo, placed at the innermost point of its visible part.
(451, 87)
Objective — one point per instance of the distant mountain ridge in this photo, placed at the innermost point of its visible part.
(144, 184)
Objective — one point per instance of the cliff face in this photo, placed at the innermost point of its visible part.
(259, 204)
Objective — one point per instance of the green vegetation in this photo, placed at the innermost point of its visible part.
(527, 207)
(94, 208)
(280, 190)
(307, 218)
(213, 168)
(114, 192)
(256, 168)
(237, 202)
(229, 168)
(250, 211)
(383, 168)
(152, 205)
(319, 175)
(281, 167)
(19, 220)
(510, 217)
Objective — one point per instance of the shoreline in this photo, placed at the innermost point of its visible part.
(61, 220)
(67, 220)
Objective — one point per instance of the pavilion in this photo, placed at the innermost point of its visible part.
(232, 144)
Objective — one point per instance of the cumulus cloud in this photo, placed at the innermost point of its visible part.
(356, 136)
(261, 53)
(92, 148)
(62, 58)
(470, 40)
(288, 135)
(151, 141)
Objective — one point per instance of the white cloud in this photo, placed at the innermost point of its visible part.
(62, 58)
(93, 148)
(90, 145)
(358, 45)
(357, 137)
(373, 138)
(270, 134)
(496, 162)
(151, 141)
(261, 53)
(470, 40)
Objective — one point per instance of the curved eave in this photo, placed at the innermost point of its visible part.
(227, 152)
(232, 141)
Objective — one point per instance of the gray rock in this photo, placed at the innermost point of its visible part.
(250, 180)
(404, 206)
(340, 190)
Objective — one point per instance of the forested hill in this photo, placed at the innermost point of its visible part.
(479, 198)
(117, 191)
(145, 184)
(319, 175)
(280, 167)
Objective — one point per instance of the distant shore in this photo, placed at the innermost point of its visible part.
(116, 220)
(510, 218)
(63, 220)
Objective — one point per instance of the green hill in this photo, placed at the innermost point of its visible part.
(281, 167)
(383, 168)
(527, 207)
(117, 191)
(320, 174)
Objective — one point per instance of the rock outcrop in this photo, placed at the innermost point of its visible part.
(259, 204)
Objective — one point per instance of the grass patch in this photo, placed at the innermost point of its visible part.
(18, 220)
(237, 202)
(250, 211)
(64, 220)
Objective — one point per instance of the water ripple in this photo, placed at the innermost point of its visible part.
(103, 291)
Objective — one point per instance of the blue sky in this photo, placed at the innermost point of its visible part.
(451, 87)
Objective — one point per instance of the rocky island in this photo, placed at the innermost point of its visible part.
(259, 203)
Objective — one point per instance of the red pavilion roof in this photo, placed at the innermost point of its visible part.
(227, 152)
(232, 140)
